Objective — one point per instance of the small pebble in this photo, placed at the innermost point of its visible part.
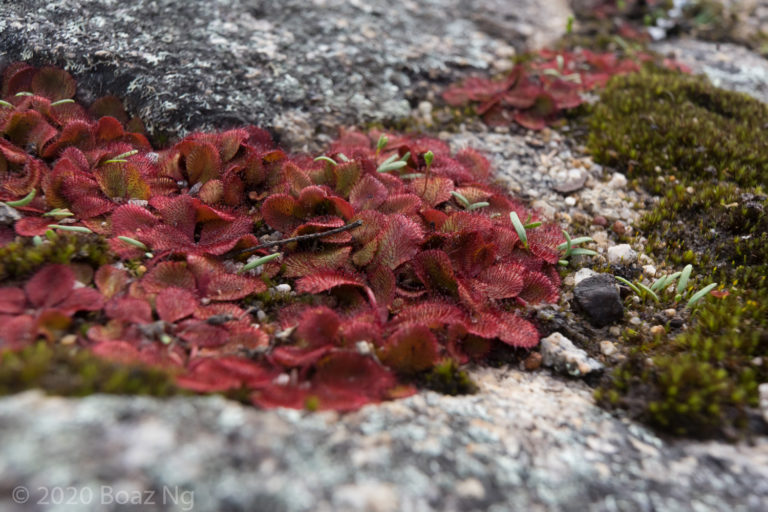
(599, 220)
(69, 339)
(261, 315)
(671, 312)
(533, 361)
(649, 270)
(607, 348)
(658, 330)
(621, 254)
(635, 320)
(618, 180)
(582, 274)
(283, 288)
(619, 228)
(762, 391)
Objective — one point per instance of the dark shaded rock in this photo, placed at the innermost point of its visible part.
(301, 68)
(598, 297)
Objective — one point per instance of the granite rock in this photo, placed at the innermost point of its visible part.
(527, 441)
(299, 67)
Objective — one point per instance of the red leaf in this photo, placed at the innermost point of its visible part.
(17, 78)
(202, 163)
(296, 178)
(337, 399)
(407, 204)
(129, 309)
(82, 299)
(346, 174)
(110, 280)
(29, 128)
(173, 304)
(502, 281)
(12, 300)
(31, 226)
(437, 190)
(297, 357)
(282, 212)
(17, 332)
(399, 241)
(229, 143)
(434, 270)
(383, 284)
(538, 288)
(305, 263)
(367, 194)
(78, 134)
(108, 129)
(352, 371)
(365, 327)
(208, 375)
(212, 191)
(29, 178)
(202, 334)
(53, 83)
(475, 163)
(317, 327)
(543, 242)
(411, 350)
(214, 282)
(167, 274)
(431, 314)
(133, 221)
(50, 285)
(178, 213)
(117, 351)
(278, 395)
(516, 331)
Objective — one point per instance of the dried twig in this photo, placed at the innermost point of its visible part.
(301, 238)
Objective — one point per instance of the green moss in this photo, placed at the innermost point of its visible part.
(658, 123)
(447, 378)
(71, 371)
(703, 381)
(721, 228)
(22, 257)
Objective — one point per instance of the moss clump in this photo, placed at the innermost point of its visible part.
(70, 371)
(447, 378)
(659, 123)
(722, 227)
(21, 257)
(704, 381)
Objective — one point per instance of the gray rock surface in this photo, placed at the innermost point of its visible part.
(300, 67)
(727, 65)
(526, 442)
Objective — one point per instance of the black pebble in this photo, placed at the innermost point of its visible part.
(598, 297)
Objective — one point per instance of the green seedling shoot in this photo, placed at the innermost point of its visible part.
(24, 201)
(259, 262)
